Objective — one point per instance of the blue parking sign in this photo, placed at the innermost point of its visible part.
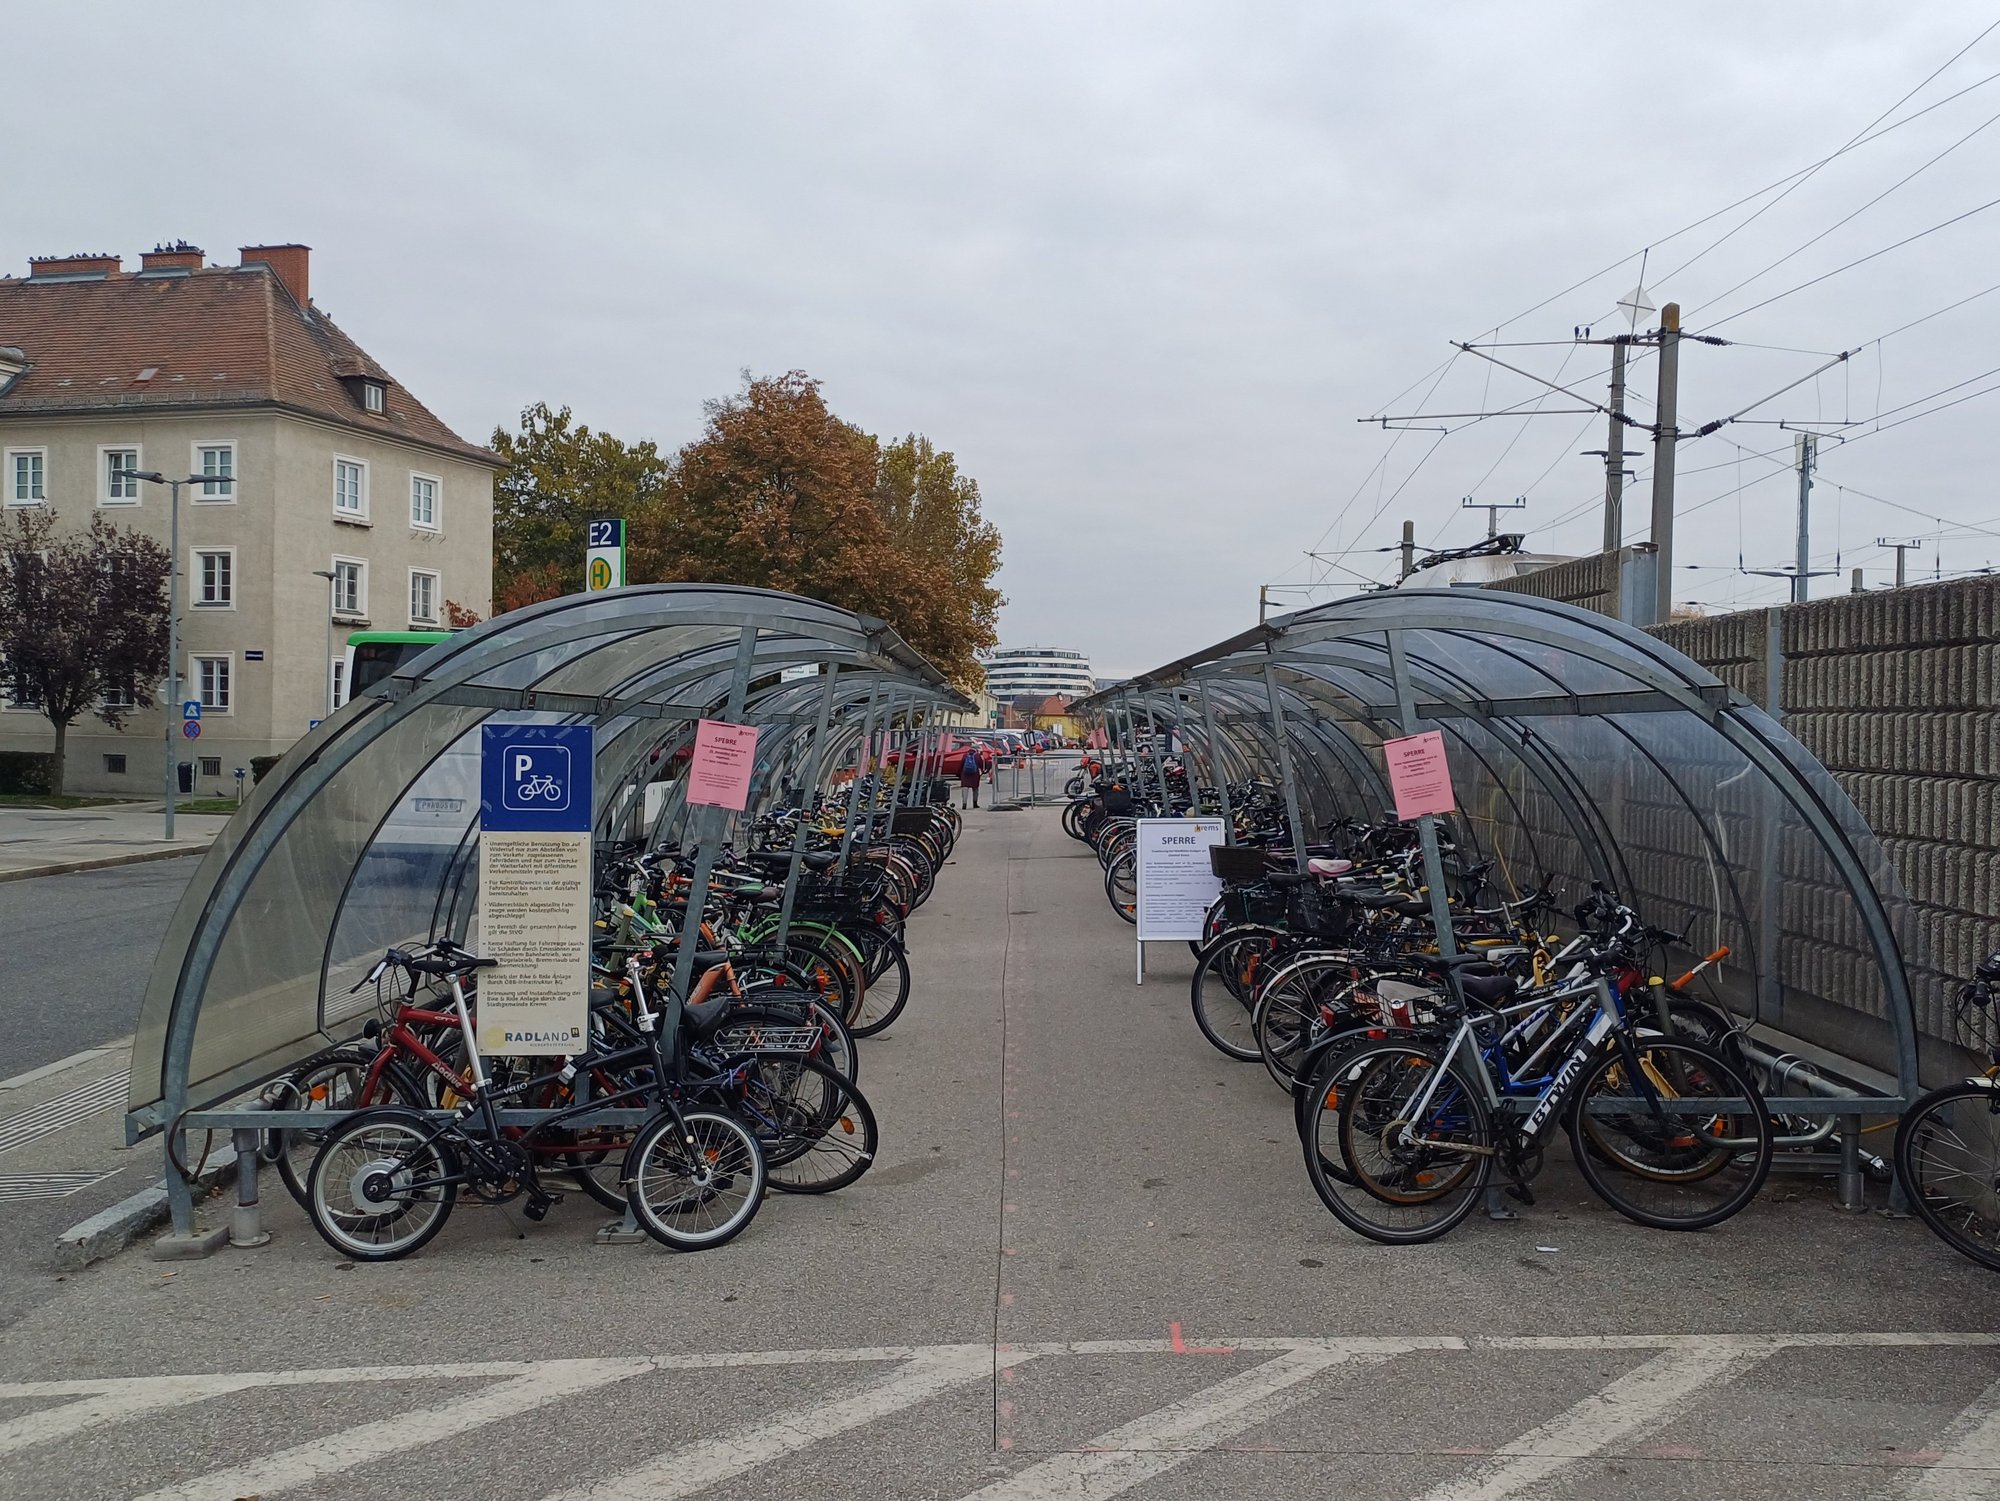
(535, 778)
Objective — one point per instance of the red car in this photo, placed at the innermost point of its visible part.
(947, 762)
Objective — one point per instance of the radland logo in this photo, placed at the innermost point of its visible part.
(525, 1036)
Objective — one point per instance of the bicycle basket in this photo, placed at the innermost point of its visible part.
(1311, 911)
(1236, 863)
(1253, 904)
(1117, 800)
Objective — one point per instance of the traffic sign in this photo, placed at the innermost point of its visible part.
(192, 729)
(604, 554)
(191, 709)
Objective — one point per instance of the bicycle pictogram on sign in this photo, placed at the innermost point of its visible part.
(537, 778)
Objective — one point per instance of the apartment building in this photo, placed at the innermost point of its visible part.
(309, 460)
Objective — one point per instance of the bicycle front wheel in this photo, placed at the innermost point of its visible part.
(1683, 1146)
(381, 1186)
(1948, 1156)
(693, 1182)
(1223, 991)
(1414, 1136)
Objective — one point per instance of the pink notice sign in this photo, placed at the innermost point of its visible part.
(719, 775)
(1419, 775)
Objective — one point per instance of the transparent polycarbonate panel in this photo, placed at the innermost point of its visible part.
(1516, 668)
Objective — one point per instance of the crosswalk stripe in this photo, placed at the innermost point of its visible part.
(127, 1400)
(1138, 1451)
(305, 1463)
(1969, 1468)
(1640, 1397)
(693, 1468)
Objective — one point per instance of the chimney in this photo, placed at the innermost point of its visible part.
(179, 256)
(288, 263)
(72, 265)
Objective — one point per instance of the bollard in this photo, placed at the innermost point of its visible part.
(245, 1226)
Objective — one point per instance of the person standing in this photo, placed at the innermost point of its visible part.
(968, 778)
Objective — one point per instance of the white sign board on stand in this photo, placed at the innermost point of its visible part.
(1176, 885)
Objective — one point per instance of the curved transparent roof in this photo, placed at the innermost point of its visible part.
(365, 835)
(1581, 749)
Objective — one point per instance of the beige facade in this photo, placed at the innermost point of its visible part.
(257, 627)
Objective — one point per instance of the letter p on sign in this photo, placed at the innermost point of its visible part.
(523, 764)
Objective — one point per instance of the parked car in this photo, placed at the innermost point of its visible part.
(948, 761)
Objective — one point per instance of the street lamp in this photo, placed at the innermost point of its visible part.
(154, 477)
(331, 578)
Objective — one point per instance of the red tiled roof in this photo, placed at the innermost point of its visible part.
(220, 337)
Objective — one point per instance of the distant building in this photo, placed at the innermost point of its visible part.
(312, 459)
(1033, 711)
(1015, 671)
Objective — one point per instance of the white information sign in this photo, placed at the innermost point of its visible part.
(534, 917)
(1176, 885)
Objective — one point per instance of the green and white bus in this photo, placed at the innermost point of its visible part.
(375, 655)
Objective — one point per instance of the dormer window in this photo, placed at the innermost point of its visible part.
(373, 396)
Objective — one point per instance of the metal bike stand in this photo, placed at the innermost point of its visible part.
(814, 755)
(1215, 767)
(1283, 738)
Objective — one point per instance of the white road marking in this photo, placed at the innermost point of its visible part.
(1138, 1451)
(79, 1104)
(693, 1468)
(99, 1405)
(1969, 1468)
(550, 1381)
(1635, 1400)
(63, 1065)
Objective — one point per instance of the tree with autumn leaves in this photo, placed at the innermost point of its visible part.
(776, 493)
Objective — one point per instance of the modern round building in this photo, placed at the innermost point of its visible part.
(1039, 671)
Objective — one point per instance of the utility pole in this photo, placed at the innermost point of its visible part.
(1665, 436)
(1263, 599)
(1614, 453)
(1806, 450)
(1409, 549)
(1903, 547)
(1518, 503)
(1857, 581)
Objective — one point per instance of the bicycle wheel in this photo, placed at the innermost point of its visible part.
(694, 1182)
(1948, 1157)
(381, 1186)
(1413, 1177)
(1121, 886)
(1670, 1150)
(336, 1080)
(816, 1129)
(1223, 990)
(887, 968)
(1287, 1016)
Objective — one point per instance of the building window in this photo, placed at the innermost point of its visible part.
(424, 502)
(338, 682)
(211, 683)
(211, 766)
(27, 475)
(423, 597)
(350, 488)
(371, 396)
(216, 464)
(350, 586)
(120, 697)
(21, 694)
(114, 766)
(215, 577)
(120, 488)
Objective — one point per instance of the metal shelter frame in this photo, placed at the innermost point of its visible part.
(366, 834)
(1581, 749)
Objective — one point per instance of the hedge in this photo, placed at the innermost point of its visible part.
(30, 772)
(261, 764)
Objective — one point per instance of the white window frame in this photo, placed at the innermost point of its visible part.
(360, 517)
(104, 495)
(7, 478)
(130, 703)
(436, 617)
(195, 690)
(374, 397)
(436, 482)
(360, 610)
(336, 681)
(8, 701)
(197, 494)
(196, 582)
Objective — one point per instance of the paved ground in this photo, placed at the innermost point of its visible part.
(1087, 1265)
(34, 841)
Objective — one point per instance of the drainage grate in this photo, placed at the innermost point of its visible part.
(64, 1110)
(17, 1186)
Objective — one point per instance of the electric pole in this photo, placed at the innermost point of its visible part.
(1518, 503)
(1409, 549)
(1903, 548)
(1806, 449)
(1664, 438)
(1614, 453)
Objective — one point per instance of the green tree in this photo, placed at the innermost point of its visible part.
(950, 550)
(559, 476)
(83, 622)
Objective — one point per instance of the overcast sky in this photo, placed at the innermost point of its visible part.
(1140, 266)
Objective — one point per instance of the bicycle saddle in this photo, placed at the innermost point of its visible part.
(1328, 867)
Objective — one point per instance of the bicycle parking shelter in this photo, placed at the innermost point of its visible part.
(1581, 750)
(366, 835)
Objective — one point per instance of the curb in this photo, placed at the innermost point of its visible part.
(106, 863)
(110, 1231)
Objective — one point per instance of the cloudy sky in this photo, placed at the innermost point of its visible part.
(1141, 266)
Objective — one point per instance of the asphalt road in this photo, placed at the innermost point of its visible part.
(1086, 1264)
(76, 953)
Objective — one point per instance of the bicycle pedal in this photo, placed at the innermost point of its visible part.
(1521, 1194)
(537, 1208)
